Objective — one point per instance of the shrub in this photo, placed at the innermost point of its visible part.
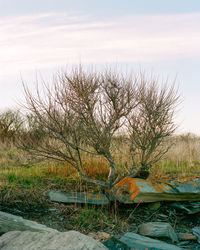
(82, 111)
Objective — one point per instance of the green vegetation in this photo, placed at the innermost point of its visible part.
(19, 169)
(88, 134)
(94, 219)
(84, 110)
(24, 182)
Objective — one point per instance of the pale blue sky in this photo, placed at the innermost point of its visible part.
(103, 7)
(161, 37)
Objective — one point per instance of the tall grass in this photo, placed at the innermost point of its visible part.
(182, 160)
(18, 168)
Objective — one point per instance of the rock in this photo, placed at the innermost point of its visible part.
(158, 229)
(27, 240)
(196, 232)
(69, 197)
(141, 242)
(115, 244)
(186, 236)
(134, 190)
(9, 222)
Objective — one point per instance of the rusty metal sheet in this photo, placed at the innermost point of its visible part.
(134, 190)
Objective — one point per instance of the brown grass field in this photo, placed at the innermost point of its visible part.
(17, 167)
(25, 180)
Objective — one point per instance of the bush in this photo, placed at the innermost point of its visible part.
(82, 111)
(11, 123)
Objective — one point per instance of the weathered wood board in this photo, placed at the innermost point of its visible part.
(186, 236)
(134, 190)
(196, 232)
(137, 241)
(69, 197)
(158, 229)
(189, 208)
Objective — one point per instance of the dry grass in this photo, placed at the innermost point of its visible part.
(25, 180)
(17, 168)
(186, 149)
(182, 160)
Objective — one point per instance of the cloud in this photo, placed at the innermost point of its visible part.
(54, 39)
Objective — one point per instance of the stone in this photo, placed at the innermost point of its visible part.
(137, 241)
(158, 229)
(9, 222)
(70, 197)
(135, 190)
(27, 240)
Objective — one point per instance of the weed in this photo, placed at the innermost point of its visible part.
(16, 168)
(95, 219)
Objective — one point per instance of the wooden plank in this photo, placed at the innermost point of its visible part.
(143, 243)
(196, 232)
(158, 229)
(69, 197)
(150, 197)
(189, 207)
(186, 236)
(134, 190)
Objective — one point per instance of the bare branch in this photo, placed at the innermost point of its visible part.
(152, 121)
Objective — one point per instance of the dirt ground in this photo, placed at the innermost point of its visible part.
(115, 220)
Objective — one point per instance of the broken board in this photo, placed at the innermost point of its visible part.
(134, 190)
(70, 197)
(137, 241)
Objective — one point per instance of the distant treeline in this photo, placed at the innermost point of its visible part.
(15, 125)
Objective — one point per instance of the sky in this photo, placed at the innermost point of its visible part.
(160, 37)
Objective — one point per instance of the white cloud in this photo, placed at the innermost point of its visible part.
(48, 41)
(52, 39)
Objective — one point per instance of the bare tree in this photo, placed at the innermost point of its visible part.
(83, 110)
(102, 107)
(11, 123)
(151, 122)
